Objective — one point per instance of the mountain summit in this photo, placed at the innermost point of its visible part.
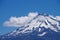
(33, 23)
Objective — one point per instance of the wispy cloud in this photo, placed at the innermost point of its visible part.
(20, 21)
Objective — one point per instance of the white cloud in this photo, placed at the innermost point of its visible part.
(20, 21)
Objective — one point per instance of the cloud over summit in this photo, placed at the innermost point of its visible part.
(20, 21)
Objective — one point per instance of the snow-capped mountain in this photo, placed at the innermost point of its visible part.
(41, 23)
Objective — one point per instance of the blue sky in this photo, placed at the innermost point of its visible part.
(19, 8)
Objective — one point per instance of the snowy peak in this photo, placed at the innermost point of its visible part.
(44, 21)
(33, 21)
